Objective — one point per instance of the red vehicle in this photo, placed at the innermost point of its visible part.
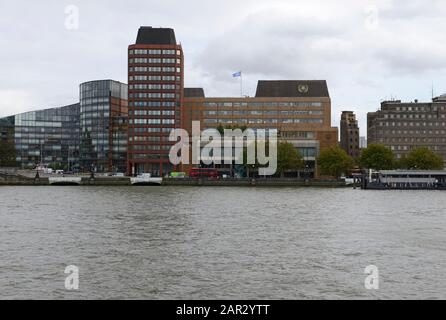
(196, 173)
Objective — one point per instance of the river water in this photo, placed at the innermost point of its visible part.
(221, 243)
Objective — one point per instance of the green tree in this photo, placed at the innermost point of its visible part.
(378, 157)
(7, 154)
(422, 159)
(221, 128)
(87, 151)
(335, 161)
(288, 158)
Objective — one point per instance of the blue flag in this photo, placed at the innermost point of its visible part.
(237, 74)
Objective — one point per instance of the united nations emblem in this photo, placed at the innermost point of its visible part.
(302, 88)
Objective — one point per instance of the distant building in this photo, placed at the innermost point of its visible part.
(298, 110)
(362, 142)
(350, 134)
(405, 126)
(156, 81)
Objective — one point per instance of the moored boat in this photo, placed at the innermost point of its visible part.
(146, 179)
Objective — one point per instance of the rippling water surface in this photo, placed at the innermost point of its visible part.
(221, 243)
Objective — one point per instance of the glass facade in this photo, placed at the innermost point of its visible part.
(7, 128)
(92, 133)
(48, 137)
(103, 124)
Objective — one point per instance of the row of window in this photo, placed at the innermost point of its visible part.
(412, 124)
(151, 121)
(260, 121)
(263, 104)
(39, 124)
(154, 52)
(44, 138)
(298, 135)
(144, 156)
(433, 108)
(163, 69)
(150, 130)
(413, 116)
(95, 115)
(95, 107)
(411, 132)
(149, 148)
(153, 104)
(261, 112)
(152, 112)
(412, 140)
(149, 139)
(94, 101)
(154, 61)
(155, 78)
(154, 95)
(154, 87)
(407, 148)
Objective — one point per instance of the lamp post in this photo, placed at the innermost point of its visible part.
(307, 168)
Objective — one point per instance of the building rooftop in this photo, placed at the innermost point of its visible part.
(194, 93)
(292, 88)
(162, 36)
(7, 121)
(441, 98)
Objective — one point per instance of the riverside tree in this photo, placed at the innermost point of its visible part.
(7, 154)
(422, 159)
(334, 161)
(288, 158)
(378, 157)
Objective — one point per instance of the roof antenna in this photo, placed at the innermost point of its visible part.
(433, 90)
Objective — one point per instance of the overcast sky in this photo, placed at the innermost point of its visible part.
(366, 50)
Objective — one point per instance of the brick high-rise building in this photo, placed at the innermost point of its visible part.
(350, 134)
(156, 82)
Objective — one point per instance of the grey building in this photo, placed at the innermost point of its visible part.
(49, 136)
(103, 125)
(405, 126)
(78, 136)
(350, 134)
(362, 142)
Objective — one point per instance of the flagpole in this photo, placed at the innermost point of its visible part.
(241, 84)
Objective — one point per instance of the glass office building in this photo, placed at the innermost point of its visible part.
(77, 137)
(103, 125)
(48, 137)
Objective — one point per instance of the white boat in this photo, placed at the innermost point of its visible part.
(146, 179)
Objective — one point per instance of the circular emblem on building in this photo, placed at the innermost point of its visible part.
(302, 88)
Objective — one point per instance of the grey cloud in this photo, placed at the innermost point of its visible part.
(42, 63)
